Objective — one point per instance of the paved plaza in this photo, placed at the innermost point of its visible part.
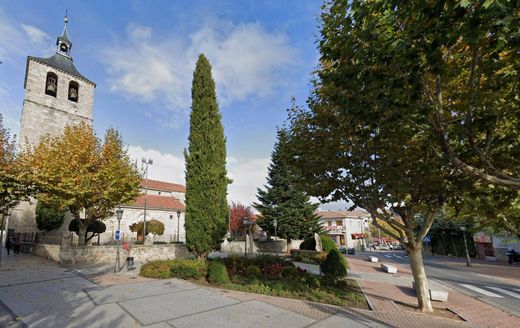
(38, 293)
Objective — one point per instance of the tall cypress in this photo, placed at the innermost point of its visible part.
(206, 175)
(283, 200)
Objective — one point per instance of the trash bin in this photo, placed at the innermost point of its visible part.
(130, 261)
(351, 251)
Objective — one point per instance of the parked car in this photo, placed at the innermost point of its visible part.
(384, 247)
(398, 247)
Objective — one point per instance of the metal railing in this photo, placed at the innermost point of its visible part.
(106, 238)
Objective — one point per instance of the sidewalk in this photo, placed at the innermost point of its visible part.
(38, 293)
(390, 295)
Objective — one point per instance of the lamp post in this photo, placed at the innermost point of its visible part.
(468, 260)
(5, 215)
(119, 214)
(275, 225)
(146, 162)
(178, 223)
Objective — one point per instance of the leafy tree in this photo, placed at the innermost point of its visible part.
(83, 175)
(237, 213)
(95, 227)
(366, 138)
(152, 226)
(49, 217)
(282, 200)
(13, 186)
(206, 175)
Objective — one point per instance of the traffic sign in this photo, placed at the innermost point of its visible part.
(427, 239)
(118, 235)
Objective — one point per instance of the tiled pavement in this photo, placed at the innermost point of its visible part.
(38, 293)
(383, 289)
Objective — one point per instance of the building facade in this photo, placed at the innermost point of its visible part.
(346, 228)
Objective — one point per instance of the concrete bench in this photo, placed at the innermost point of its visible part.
(373, 259)
(388, 268)
(435, 295)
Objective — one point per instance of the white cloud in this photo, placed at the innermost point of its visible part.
(35, 34)
(247, 62)
(247, 174)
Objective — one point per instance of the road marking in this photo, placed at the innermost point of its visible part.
(481, 291)
(387, 256)
(504, 291)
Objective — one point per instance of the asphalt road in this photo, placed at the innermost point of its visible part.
(490, 290)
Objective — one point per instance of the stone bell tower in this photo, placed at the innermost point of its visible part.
(56, 94)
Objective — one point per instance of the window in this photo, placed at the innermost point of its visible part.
(339, 223)
(159, 193)
(51, 84)
(73, 91)
(171, 217)
(329, 223)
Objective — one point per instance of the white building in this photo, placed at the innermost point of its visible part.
(346, 228)
(164, 202)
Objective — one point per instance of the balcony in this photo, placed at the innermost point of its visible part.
(335, 229)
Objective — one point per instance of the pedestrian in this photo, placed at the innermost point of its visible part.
(8, 245)
(17, 245)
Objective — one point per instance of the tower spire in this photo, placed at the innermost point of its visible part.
(63, 43)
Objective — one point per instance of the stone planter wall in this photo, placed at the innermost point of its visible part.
(105, 254)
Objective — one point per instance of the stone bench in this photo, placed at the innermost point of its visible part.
(388, 268)
(435, 295)
(373, 259)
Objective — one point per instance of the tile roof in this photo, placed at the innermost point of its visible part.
(162, 185)
(158, 202)
(342, 214)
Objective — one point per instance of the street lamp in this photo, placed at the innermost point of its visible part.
(468, 260)
(3, 231)
(146, 162)
(119, 215)
(275, 225)
(178, 223)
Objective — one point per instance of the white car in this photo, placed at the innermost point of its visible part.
(384, 247)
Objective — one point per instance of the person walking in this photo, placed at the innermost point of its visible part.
(8, 245)
(17, 245)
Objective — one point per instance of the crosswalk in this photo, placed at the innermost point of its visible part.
(389, 256)
(493, 291)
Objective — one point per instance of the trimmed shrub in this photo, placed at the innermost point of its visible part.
(217, 273)
(253, 271)
(308, 256)
(156, 270)
(289, 272)
(48, 217)
(326, 243)
(188, 269)
(152, 226)
(335, 266)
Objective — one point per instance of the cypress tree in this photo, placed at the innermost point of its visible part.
(283, 200)
(206, 175)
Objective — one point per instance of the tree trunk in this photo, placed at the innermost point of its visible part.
(419, 276)
(82, 235)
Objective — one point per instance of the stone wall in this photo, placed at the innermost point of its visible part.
(105, 254)
(271, 246)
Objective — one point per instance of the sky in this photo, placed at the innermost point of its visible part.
(141, 55)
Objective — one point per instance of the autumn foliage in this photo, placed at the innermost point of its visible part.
(237, 213)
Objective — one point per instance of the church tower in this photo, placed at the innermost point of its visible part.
(56, 94)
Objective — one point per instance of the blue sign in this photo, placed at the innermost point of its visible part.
(427, 239)
(118, 235)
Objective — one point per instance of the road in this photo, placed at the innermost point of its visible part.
(494, 291)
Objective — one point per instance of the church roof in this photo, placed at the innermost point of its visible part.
(61, 63)
(162, 185)
(158, 202)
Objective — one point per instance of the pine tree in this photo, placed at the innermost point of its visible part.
(206, 175)
(283, 200)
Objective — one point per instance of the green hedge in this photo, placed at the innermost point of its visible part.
(326, 243)
(188, 269)
(217, 273)
(335, 266)
(178, 268)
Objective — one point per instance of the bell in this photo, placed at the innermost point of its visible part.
(51, 87)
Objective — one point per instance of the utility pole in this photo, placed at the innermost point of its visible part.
(468, 260)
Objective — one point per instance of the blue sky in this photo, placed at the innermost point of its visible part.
(142, 54)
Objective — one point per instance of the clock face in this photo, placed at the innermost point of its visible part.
(63, 47)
